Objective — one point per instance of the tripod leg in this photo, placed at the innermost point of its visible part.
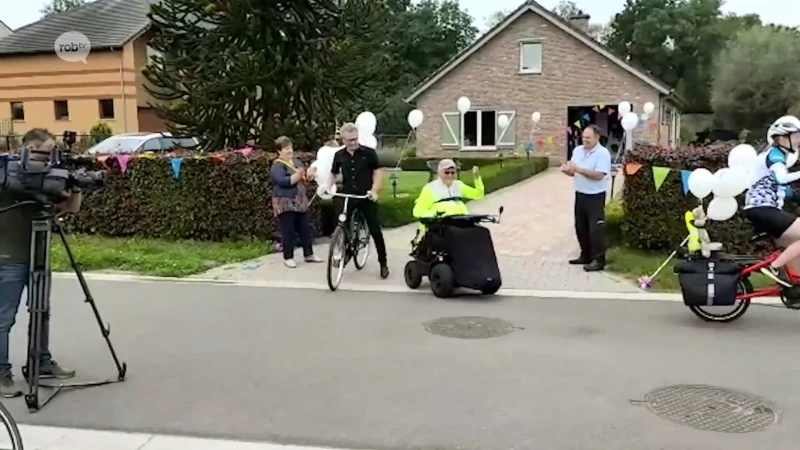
(122, 368)
(38, 307)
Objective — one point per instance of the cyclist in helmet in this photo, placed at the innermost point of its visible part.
(764, 200)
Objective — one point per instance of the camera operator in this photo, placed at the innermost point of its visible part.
(15, 249)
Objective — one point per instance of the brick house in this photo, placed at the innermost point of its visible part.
(535, 61)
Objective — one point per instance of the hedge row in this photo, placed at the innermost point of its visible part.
(421, 164)
(654, 220)
(223, 197)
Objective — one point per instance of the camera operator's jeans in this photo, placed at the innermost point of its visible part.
(13, 280)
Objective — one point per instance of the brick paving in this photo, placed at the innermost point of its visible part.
(533, 242)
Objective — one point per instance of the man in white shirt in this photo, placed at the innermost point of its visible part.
(590, 166)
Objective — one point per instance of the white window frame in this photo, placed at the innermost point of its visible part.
(499, 138)
(522, 45)
(479, 113)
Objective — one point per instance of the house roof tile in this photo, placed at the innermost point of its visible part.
(533, 6)
(106, 23)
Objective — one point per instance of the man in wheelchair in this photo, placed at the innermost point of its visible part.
(445, 196)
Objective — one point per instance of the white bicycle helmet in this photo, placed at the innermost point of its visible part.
(784, 126)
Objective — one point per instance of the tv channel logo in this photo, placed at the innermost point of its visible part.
(72, 47)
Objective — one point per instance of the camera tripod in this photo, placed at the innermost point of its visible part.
(39, 284)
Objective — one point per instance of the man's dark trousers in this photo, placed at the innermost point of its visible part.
(590, 225)
(369, 210)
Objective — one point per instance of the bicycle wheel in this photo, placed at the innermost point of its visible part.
(15, 439)
(360, 238)
(337, 253)
(724, 314)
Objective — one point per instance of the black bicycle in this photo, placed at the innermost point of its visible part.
(15, 439)
(350, 240)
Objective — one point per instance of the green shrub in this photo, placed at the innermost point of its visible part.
(100, 133)
(654, 220)
(397, 211)
(615, 214)
(212, 199)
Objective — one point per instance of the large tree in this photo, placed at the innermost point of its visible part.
(676, 41)
(59, 6)
(757, 79)
(233, 70)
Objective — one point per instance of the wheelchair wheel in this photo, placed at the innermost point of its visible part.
(725, 314)
(14, 438)
(360, 240)
(413, 275)
(442, 280)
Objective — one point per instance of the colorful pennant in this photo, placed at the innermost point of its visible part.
(632, 168)
(659, 175)
(176, 167)
(123, 161)
(685, 180)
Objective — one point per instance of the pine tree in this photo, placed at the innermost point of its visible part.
(233, 70)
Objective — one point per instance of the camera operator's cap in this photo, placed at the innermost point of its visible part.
(446, 164)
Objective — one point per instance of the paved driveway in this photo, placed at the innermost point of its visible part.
(358, 369)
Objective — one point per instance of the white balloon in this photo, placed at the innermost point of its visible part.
(727, 183)
(502, 121)
(368, 140)
(324, 163)
(742, 155)
(536, 117)
(740, 179)
(624, 108)
(463, 105)
(722, 208)
(645, 117)
(629, 121)
(701, 182)
(415, 118)
(649, 107)
(366, 123)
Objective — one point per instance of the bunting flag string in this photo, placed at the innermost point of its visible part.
(632, 168)
(176, 167)
(659, 175)
(685, 180)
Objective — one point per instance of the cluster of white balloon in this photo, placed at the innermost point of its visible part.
(725, 183)
(630, 119)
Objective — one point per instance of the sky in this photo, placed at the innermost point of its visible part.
(16, 13)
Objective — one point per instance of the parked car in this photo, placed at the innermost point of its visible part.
(142, 143)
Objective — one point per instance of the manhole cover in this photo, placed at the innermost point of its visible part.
(469, 327)
(711, 408)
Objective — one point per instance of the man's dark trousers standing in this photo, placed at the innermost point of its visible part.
(590, 219)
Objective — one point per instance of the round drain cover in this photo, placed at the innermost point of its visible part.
(469, 327)
(711, 408)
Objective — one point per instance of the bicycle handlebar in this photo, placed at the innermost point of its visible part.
(366, 196)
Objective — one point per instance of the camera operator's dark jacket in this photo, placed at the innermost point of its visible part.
(15, 232)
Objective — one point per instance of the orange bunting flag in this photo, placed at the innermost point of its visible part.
(632, 168)
(102, 160)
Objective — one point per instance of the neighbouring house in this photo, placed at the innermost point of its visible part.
(38, 89)
(535, 61)
(5, 30)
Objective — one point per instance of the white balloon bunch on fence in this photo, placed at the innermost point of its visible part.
(726, 183)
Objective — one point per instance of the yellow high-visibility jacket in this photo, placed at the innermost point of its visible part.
(428, 203)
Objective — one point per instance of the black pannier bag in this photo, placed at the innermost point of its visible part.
(708, 282)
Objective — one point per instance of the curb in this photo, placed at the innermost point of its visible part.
(277, 284)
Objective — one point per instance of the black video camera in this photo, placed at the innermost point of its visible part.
(47, 181)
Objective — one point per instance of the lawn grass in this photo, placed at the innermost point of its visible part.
(157, 257)
(632, 264)
(411, 183)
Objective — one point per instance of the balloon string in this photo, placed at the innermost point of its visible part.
(402, 152)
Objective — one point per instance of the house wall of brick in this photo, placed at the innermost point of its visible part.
(573, 74)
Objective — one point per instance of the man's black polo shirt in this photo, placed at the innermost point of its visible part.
(356, 169)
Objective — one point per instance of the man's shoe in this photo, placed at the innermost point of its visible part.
(595, 266)
(8, 388)
(579, 261)
(384, 271)
(51, 369)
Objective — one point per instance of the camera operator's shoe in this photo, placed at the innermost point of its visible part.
(51, 369)
(9, 388)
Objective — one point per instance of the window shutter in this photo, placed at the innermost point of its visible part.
(507, 136)
(451, 129)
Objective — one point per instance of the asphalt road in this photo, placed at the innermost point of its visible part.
(359, 370)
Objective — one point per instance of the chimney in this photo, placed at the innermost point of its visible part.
(580, 21)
